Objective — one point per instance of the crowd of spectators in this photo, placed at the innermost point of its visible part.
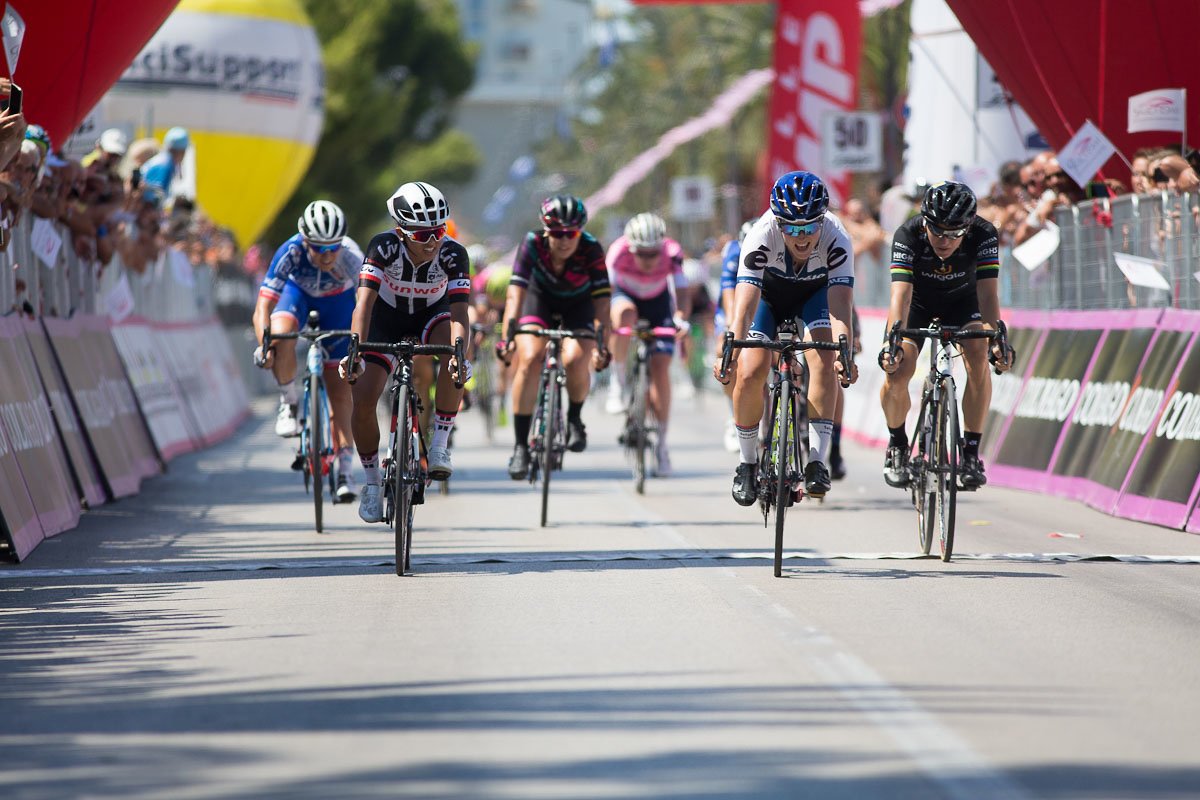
(120, 199)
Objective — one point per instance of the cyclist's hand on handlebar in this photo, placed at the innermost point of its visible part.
(464, 374)
(263, 360)
(344, 369)
(504, 350)
(716, 370)
(887, 362)
(839, 370)
(601, 358)
(1001, 356)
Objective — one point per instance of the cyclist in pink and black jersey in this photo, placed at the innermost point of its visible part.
(646, 271)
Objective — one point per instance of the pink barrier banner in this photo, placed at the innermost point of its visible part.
(200, 359)
(139, 345)
(87, 471)
(18, 518)
(31, 434)
(106, 403)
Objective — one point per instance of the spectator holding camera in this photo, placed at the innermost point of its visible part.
(12, 128)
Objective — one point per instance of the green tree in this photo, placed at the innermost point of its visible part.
(393, 69)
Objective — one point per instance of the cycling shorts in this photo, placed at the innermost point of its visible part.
(957, 312)
(336, 312)
(578, 313)
(392, 325)
(813, 312)
(659, 310)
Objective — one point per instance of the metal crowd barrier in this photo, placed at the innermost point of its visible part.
(170, 289)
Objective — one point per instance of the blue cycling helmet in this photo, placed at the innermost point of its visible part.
(37, 134)
(799, 197)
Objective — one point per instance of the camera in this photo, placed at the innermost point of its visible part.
(12, 103)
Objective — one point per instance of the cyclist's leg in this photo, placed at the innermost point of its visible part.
(577, 360)
(365, 423)
(291, 308)
(977, 395)
(336, 313)
(526, 373)
(752, 368)
(623, 314)
(660, 311)
(896, 401)
(822, 384)
(446, 399)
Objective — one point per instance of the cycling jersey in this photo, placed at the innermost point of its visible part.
(413, 288)
(730, 256)
(625, 271)
(936, 282)
(768, 264)
(292, 264)
(584, 273)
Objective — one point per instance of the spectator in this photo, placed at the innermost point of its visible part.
(164, 168)
(17, 181)
(12, 129)
(1040, 198)
(142, 242)
(1179, 174)
(110, 149)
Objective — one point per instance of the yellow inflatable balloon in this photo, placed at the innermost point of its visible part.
(245, 78)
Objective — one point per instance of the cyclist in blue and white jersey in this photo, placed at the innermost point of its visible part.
(797, 262)
(731, 256)
(317, 269)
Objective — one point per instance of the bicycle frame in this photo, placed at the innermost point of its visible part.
(638, 435)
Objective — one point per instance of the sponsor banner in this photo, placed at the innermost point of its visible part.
(201, 361)
(1026, 334)
(18, 518)
(87, 472)
(1162, 485)
(30, 432)
(140, 349)
(816, 69)
(106, 403)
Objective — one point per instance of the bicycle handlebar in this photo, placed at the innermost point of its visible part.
(408, 348)
(841, 347)
(949, 334)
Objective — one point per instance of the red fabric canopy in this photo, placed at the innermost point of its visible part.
(74, 50)
(1071, 60)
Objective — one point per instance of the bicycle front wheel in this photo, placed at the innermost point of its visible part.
(947, 483)
(923, 500)
(635, 429)
(784, 414)
(402, 486)
(314, 456)
(551, 431)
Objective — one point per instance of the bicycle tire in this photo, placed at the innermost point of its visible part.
(315, 455)
(401, 487)
(766, 459)
(550, 426)
(923, 501)
(637, 427)
(484, 388)
(785, 413)
(947, 469)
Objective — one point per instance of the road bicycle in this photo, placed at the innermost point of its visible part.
(639, 435)
(548, 429)
(483, 382)
(784, 453)
(404, 468)
(937, 446)
(316, 457)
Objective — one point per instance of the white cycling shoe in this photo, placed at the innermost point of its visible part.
(370, 503)
(285, 422)
(440, 467)
(615, 402)
(662, 462)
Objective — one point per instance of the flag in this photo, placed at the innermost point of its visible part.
(1159, 110)
(1086, 153)
(13, 34)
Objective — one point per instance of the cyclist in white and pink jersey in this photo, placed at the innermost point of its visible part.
(645, 269)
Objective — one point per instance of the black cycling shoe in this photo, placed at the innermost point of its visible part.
(895, 467)
(837, 467)
(518, 465)
(816, 479)
(298, 462)
(576, 436)
(970, 473)
(745, 484)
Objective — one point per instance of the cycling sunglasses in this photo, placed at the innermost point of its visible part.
(322, 249)
(957, 233)
(563, 233)
(647, 252)
(424, 235)
(799, 229)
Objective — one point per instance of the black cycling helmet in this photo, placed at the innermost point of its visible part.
(949, 205)
(563, 211)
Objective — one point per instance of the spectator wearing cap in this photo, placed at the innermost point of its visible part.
(110, 149)
(164, 168)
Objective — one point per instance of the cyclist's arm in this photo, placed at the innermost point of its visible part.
(262, 315)
(270, 290)
(989, 301)
(683, 290)
(601, 306)
(898, 307)
(364, 302)
(512, 307)
(841, 311)
(987, 274)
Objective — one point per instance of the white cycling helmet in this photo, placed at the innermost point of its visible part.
(645, 231)
(418, 205)
(322, 223)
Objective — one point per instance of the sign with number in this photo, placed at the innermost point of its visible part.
(692, 199)
(852, 141)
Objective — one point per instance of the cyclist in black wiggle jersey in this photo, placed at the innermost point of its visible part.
(945, 265)
(559, 270)
(423, 278)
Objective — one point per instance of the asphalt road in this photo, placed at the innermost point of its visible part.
(200, 640)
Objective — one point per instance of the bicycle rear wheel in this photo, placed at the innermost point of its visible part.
(784, 413)
(314, 456)
(947, 484)
(550, 434)
(404, 467)
(484, 388)
(922, 500)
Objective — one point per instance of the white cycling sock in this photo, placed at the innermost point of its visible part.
(346, 461)
(370, 463)
(820, 435)
(288, 392)
(443, 423)
(748, 442)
